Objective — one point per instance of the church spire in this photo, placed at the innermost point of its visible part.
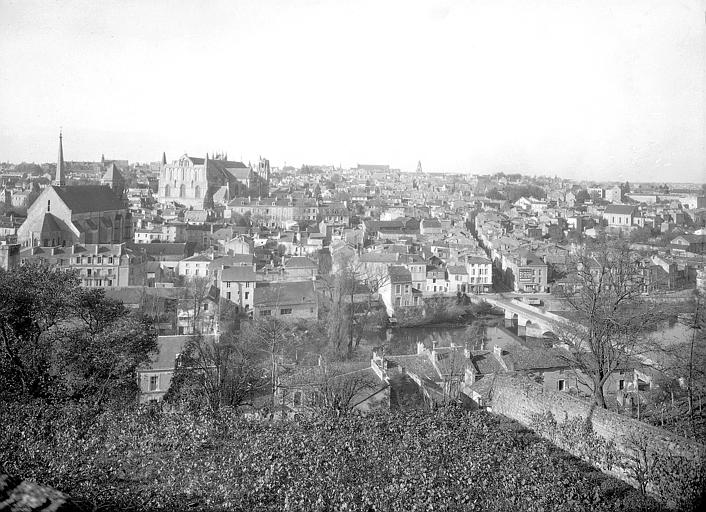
(164, 158)
(60, 176)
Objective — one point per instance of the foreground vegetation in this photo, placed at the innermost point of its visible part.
(147, 459)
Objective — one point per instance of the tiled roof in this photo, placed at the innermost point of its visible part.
(89, 198)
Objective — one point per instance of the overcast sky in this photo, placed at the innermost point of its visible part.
(603, 89)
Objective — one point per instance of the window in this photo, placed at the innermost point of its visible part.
(187, 271)
(247, 294)
(247, 284)
(78, 260)
(110, 282)
(265, 312)
(90, 272)
(406, 288)
(205, 306)
(561, 384)
(227, 284)
(397, 301)
(398, 289)
(285, 311)
(154, 382)
(228, 295)
(621, 384)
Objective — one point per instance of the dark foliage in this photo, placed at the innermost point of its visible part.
(446, 460)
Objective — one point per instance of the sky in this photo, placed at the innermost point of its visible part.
(583, 89)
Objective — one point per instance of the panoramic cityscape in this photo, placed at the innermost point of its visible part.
(452, 263)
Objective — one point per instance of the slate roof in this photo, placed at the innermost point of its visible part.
(415, 364)
(399, 274)
(239, 274)
(88, 198)
(280, 294)
(300, 262)
(112, 174)
(50, 223)
(619, 209)
(162, 249)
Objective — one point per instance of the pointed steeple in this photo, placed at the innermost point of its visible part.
(60, 176)
(164, 158)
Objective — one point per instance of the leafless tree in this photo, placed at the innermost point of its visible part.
(610, 316)
(349, 306)
(337, 388)
(217, 373)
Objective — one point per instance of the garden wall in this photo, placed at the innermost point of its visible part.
(669, 466)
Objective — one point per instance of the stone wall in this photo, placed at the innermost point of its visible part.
(523, 400)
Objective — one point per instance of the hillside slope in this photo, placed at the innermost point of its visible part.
(444, 460)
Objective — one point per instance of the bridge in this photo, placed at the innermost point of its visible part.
(529, 320)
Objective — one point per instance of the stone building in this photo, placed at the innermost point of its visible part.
(201, 182)
(65, 215)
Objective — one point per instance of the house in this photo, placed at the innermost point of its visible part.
(97, 265)
(168, 254)
(223, 262)
(430, 227)
(304, 389)
(436, 280)
(198, 312)
(286, 300)
(237, 284)
(458, 278)
(619, 216)
(480, 274)
(397, 292)
(683, 244)
(155, 378)
(194, 266)
(300, 268)
(525, 271)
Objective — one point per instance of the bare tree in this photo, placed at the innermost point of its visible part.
(216, 373)
(195, 292)
(349, 306)
(333, 387)
(610, 316)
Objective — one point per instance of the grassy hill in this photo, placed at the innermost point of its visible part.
(443, 460)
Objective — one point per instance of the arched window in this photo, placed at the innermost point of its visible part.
(197, 191)
(182, 191)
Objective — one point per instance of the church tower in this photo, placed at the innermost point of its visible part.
(60, 176)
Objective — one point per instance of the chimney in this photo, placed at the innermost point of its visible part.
(420, 347)
(498, 351)
(434, 344)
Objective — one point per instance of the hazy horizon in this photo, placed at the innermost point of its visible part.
(602, 90)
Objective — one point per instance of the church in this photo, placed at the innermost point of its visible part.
(201, 183)
(69, 214)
